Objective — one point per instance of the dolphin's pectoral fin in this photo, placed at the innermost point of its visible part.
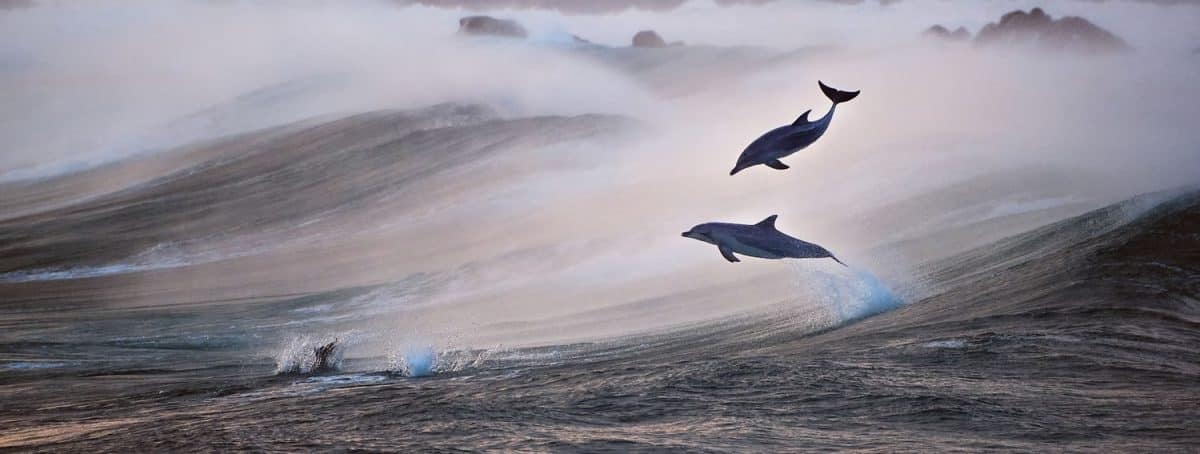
(803, 118)
(728, 254)
(777, 165)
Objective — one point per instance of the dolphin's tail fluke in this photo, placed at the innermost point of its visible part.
(835, 95)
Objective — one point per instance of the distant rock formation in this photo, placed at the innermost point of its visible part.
(942, 33)
(763, 2)
(651, 39)
(648, 38)
(617, 6)
(1036, 28)
(564, 6)
(15, 4)
(490, 26)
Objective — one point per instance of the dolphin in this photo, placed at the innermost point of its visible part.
(785, 140)
(760, 240)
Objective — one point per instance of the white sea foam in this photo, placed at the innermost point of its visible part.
(946, 343)
(34, 365)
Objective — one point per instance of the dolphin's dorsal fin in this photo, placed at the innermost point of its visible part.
(803, 120)
(769, 222)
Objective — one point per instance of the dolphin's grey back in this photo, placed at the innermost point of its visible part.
(771, 240)
(769, 139)
(799, 137)
(793, 137)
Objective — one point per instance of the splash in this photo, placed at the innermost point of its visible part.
(422, 360)
(415, 361)
(309, 355)
(846, 295)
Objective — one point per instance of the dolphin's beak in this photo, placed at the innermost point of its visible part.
(735, 171)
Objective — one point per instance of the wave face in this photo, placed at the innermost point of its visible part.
(1077, 335)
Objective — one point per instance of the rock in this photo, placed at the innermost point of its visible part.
(490, 26)
(651, 39)
(937, 30)
(1038, 29)
(940, 32)
(648, 38)
(563, 6)
(16, 4)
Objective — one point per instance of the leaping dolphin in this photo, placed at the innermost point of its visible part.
(785, 140)
(760, 240)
